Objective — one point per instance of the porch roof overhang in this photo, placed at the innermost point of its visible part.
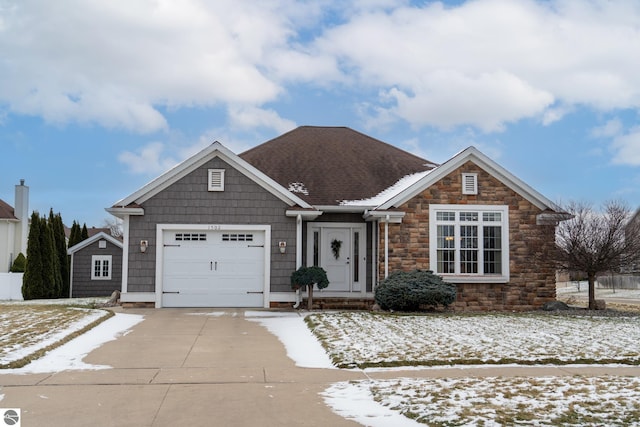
(308, 214)
(123, 211)
(393, 217)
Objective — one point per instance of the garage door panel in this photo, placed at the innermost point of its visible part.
(218, 269)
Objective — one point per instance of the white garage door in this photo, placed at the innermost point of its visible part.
(213, 268)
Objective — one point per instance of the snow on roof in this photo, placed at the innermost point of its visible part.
(397, 188)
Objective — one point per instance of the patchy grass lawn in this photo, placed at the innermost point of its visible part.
(28, 331)
(359, 339)
(498, 401)
(364, 340)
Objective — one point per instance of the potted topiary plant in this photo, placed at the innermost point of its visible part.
(306, 277)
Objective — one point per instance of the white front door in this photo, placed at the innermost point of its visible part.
(336, 257)
(340, 249)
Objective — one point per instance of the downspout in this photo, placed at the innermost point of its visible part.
(386, 247)
(298, 254)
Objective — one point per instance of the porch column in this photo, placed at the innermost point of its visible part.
(386, 247)
(125, 253)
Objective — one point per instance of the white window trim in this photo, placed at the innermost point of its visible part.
(469, 278)
(474, 180)
(210, 184)
(101, 258)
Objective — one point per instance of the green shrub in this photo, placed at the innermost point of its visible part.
(412, 290)
(19, 264)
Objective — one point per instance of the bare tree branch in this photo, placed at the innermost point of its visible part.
(596, 242)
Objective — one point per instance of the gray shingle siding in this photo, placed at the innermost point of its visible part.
(82, 285)
(187, 201)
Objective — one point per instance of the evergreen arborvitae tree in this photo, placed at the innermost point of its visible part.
(32, 283)
(75, 234)
(61, 251)
(50, 274)
(85, 232)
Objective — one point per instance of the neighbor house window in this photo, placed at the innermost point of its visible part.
(469, 242)
(101, 267)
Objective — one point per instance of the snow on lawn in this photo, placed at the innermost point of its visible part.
(28, 327)
(567, 401)
(69, 355)
(27, 330)
(366, 340)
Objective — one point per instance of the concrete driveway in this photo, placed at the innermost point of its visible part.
(177, 369)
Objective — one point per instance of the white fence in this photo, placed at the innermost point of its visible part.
(11, 286)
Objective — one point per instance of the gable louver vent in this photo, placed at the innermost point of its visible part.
(216, 179)
(469, 183)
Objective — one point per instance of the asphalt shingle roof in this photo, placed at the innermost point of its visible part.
(6, 211)
(327, 165)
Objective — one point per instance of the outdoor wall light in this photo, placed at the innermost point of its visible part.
(143, 245)
(282, 246)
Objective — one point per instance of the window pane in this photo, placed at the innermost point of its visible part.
(468, 249)
(445, 216)
(492, 216)
(468, 262)
(105, 268)
(492, 242)
(316, 253)
(446, 261)
(356, 256)
(446, 237)
(468, 216)
(96, 268)
(446, 249)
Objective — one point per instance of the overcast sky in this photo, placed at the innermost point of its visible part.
(99, 97)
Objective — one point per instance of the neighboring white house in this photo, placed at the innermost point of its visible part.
(14, 227)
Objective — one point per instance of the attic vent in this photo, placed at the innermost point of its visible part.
(216, 179)
(469, 183)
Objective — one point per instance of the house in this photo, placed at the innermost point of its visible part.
(14, 227)
(96, 266)
(227, 230)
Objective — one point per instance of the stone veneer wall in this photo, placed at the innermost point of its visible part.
(532, 281)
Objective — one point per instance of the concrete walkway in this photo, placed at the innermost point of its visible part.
(176, 369)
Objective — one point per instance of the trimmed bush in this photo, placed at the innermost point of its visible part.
(413, 290)
(19, 264)
(306, 277)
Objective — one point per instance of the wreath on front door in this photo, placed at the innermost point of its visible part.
(335, 247)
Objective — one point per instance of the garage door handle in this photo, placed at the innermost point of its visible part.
(167, 292)
(249, 292)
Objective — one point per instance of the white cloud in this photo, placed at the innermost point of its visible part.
(490, 62)
(627, 148)
(150, 159)
(483, 63)
(253, 117)
(611, 128)
(114, 64)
